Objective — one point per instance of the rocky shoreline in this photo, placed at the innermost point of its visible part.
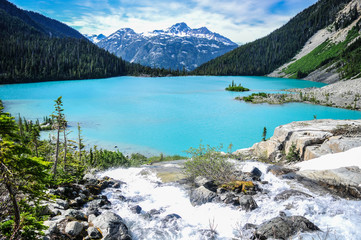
(343, 94)
(80, 211)
(305, 140)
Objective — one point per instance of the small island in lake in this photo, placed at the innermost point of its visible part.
(234, 88)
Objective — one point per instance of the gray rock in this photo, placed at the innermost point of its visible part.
(247, 203)
(201, 195)
(111, 226)
(229, 198)
(52, 227)
(136, 209)
(200, 181)
(74, 228)
(50, 209)
(93, 211)
(284, 227)
(62, 204)
(171, 217)
(345, 182)
(98, 203)
(77, 214)
(94, 233)
(256, 174)
(290, 193)
(278, 170)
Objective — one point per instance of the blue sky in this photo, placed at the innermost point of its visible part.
(240, 20)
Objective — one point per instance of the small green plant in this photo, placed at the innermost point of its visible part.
(208, 162)
(251, 97)
(293, 154)
(236, 88)
(264, 134)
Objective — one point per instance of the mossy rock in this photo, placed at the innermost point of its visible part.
(239, 186)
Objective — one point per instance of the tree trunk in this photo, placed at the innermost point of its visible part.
(79, 142)
(65, 150)
(56, 152)
(12, 195)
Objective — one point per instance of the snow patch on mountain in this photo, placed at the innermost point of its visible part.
(94, 38)
(175, 47)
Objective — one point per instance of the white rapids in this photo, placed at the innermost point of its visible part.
(337, 218)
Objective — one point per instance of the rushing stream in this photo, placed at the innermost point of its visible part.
(337, 218)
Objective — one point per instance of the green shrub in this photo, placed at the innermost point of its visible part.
(293, 154)
(208, 162)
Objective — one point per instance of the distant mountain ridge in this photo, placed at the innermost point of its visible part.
(95, 38)
(177, 47)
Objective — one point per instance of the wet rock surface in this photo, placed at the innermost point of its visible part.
(283, 227)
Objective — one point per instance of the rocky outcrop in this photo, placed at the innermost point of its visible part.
(345, 181)
(283, 227)
(308, 139)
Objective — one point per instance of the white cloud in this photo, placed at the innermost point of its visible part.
(240, 20)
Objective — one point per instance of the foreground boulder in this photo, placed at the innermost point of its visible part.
(111, 226)
(283, 227)
(201, 195)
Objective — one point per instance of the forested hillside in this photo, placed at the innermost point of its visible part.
(43, 24)
(35, 48)
(266, 54)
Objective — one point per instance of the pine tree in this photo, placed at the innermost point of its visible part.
(58, 125)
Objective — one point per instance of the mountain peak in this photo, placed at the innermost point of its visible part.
(127, 30)
(179, 28)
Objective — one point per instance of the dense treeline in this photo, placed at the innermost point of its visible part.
(27, 54)
(266, 54)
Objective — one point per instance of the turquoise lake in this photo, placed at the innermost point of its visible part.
(168, 115)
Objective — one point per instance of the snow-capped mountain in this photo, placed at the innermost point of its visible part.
(176, 47)
(95, 38)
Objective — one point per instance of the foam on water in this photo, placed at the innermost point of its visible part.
(337, 218)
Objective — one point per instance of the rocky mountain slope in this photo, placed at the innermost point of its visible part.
(330, 54)
(177, 47)
(325, 36)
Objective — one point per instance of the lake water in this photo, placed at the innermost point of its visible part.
(168, 115)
